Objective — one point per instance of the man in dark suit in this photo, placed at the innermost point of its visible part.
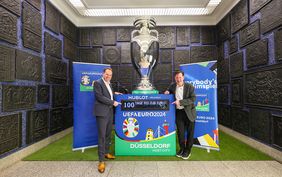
(103, 110)
(185, 113)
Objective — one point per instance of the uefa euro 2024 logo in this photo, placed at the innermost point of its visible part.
(130, 127)
(85, 80)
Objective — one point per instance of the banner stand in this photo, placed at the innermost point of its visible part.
(207, 148)
(84, 148)
(203, 76)
(85, 133)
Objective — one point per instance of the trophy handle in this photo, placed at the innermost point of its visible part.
(154, 49)
(134, 48)
(134, 33)
(156, 53)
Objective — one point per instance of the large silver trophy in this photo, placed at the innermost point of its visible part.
(144, 52)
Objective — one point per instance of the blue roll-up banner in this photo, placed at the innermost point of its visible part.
(85, 133)
(145, 125)
(203, 76)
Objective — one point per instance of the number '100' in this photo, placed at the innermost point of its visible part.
(129, 105)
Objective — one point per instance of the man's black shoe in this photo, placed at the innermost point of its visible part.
(186, 155)
(179, 153)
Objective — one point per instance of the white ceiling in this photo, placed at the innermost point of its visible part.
(73, 14)
(143, 3)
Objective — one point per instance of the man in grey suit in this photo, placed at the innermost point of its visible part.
(103, 110)
(185, 113)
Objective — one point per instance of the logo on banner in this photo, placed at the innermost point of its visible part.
(87, 80)
(130, 127)
(85, 84)
(202, 103)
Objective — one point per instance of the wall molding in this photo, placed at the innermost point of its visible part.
(19, 155)
(274, 153)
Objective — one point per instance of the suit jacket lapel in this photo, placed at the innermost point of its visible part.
(185, 90)
(112, 88)
(174, 88)
(105, 87)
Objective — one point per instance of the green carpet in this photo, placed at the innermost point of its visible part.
(230, 149)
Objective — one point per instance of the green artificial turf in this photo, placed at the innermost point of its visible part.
(230, 149)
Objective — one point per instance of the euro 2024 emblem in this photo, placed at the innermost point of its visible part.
(85, 80)
(130, 127)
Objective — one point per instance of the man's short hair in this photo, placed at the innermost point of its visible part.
(178, 72)
(107, 69)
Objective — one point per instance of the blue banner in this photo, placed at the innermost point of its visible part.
(145, 125)
(85, 133)
(203, 76)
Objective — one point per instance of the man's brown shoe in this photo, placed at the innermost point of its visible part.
(101, 167)
(110, 156)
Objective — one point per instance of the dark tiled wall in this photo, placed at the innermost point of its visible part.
(250, 70)
(178, 45)
(37, 45)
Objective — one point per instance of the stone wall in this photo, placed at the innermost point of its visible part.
(250, 70)
(37, 45)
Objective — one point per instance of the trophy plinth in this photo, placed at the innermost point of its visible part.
(144, 53)
(145, 87)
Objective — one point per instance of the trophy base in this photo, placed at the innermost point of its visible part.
(145, 92)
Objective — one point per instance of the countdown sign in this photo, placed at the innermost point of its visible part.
(144, 105)
(145, 125)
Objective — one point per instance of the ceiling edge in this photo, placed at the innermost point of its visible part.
(66, 10)
(224, 8)
(80, 21)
